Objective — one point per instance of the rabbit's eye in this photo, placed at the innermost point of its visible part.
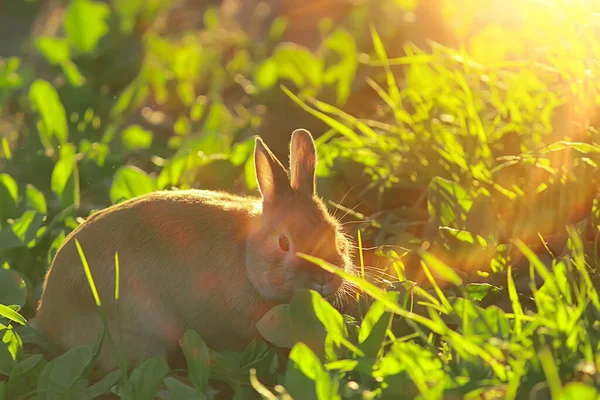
(284, 243)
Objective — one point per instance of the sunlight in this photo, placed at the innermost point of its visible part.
(459, 141)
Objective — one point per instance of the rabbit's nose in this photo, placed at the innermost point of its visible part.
(324, 278)
(323, 284)
(322, 289)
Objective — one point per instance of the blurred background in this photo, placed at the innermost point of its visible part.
(441, 124)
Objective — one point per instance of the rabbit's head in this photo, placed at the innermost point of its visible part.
(294, 220)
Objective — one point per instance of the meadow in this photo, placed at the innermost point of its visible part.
(458, 143)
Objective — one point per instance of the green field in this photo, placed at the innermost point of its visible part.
(458, 144)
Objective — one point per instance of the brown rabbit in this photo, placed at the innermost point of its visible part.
(195, 259)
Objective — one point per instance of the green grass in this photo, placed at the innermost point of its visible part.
(466, 174)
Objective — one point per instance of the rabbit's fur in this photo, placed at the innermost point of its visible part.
(198, 259)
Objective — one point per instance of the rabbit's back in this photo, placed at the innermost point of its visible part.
(157, 236)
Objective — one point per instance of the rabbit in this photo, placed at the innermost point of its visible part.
(195, 259)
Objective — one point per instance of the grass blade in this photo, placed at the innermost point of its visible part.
(11, 314)
(514, 299)
(551, 371)
(88, 273)
(338, 126)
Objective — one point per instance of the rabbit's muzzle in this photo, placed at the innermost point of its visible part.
(318, 279)
(326, 284)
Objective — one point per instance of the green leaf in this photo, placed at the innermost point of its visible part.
(172, 171)
(127, 10)
(305, 377)
(182, 126)
(35, 199)
(13, 342)
(135, 137)
(276, 326)
(250, 174)
(256, 349)
(298, 64)
(85, 24)
(181, 391)
(478, 291)
(197, 357)
(13, 290)
(577, 391)
(7, 361)
(24, 375)
(11, 314)
(130, 182)
(241, 152)
(72, 73)
(218, 120)
(211, 19)
(329, 317)
(278, 28)
(64, 180)
(54, 246)
(145, 380)
(127, 98)
(344, 72)
(265, 75)
(26, 365)
(61, 375)
(308, 318)
(103, 386)
(342, 365)
(56, 50)
(372, 331)
(63, 169)
(584, 148)
(9, 195)
(44, 98)
(464, 236)
(260, 356)
(306, 361)
(22, 231)
(6, 148)
(10, 76)
(305, 324)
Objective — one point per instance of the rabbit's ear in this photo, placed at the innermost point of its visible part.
(271, 176)
(303, 160)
